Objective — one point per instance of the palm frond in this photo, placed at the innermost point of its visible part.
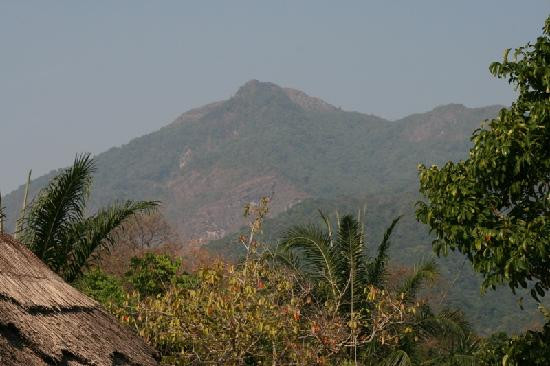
(58, 206)
(377, 268)
(456, 322)
(313, 244)
(87, 235)
(447, 324)
(326, 220)
(463, 360)
(348, 252)
(284, 257)
(424, 272)
(20, 219)
(397, 358)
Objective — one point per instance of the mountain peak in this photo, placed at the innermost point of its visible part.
(261, 89)
(255, 87)
(451, 107)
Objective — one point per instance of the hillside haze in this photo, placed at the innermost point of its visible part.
(212, 160)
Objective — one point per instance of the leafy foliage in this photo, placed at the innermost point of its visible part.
(256, 313)
(56, 228)
(228, 319)
(494, 207)
(153, 274)
(260, 312)
(530, 348)
(105, 288)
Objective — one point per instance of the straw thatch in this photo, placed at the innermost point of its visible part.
(45, 321)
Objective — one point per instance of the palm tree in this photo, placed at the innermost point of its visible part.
(451, 337)
(56, 229)
(337, 262)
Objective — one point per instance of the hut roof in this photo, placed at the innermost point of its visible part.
(45, 321)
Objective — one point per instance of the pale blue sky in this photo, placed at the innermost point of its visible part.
(87, 75)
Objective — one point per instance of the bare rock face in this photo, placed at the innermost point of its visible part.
(221, 213)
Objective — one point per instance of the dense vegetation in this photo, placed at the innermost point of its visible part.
(494, 207)
(284, 308)
(488, 313)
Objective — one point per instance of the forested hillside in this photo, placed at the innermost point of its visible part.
(212, 160)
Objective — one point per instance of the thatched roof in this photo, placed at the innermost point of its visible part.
(45, 321)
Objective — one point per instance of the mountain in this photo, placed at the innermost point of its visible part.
(211, 161)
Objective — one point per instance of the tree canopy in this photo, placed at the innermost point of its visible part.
(494, 207)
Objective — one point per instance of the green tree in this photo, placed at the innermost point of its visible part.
(56, 229)
(153, 274)
(530, 348)
(105, 288)
(494, 207)
(492, 349)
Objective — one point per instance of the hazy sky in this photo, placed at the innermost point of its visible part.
(87, 75)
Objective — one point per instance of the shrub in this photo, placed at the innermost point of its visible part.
(153, 274)
(102, 287)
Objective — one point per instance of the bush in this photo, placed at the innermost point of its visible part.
(102, 287)
(153, 274)
(258, 314)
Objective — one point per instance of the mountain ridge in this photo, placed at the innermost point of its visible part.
(285, 119)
